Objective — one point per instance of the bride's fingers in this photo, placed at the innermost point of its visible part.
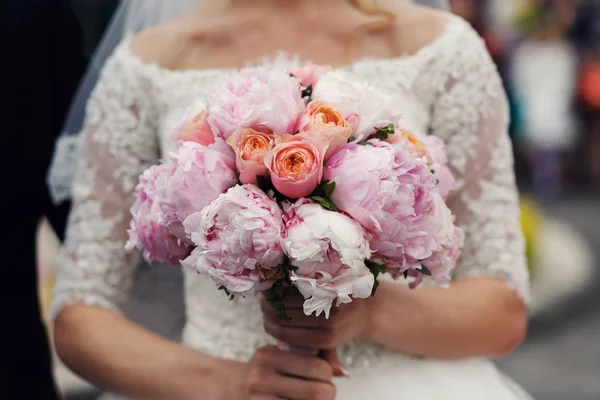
(296, 365)
(299, 336)
(296, 389)
(295, 301)
(265, 397)
(331, 357)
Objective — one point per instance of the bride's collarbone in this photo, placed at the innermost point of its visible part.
(218, 45)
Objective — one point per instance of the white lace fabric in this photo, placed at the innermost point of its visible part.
(450, 89)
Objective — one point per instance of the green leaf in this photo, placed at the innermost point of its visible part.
(291, 268)
(325, 203)
(227, 292)
(283, 315)
(329, 188)
(280, 308)
(307, 92)
(383, 133)
(376, 270)
(262, 182)
(279, 291)
(351, 139)
(292, 291)
(329, 205)
(282, 274)
(375, 286)
(424, 270)
(270, 296)
(365, 144)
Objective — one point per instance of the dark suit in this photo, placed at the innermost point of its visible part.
(41, 52)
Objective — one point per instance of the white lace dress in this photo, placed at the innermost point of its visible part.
(450, 89)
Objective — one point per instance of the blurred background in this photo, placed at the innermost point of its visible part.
(548, 53)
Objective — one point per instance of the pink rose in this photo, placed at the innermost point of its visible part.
(329, 249)
(255, 98)
(237, 238)
(296, 163)
(329, 122)
(197, 130)
(201, 174)
(388, 191)
(309, 75)
(250, 148)
(148, 229)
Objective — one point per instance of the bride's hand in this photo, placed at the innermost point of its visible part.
(346, 322)
(273, 374)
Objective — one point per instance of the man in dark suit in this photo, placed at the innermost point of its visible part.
(41, 48)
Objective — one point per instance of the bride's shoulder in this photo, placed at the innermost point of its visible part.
(420, 27)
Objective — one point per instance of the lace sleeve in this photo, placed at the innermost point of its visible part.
(471, 115)
(118, 144)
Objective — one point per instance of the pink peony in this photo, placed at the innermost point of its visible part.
(197, 130)
(449, 241)
(388, 191)
(250, 148)
(432, 148)
(309, 75)
(256, 98)
(439, 165)
(238, 240)
(148, 230)
(201, 174)
(370, 105)
(296, 163)
(329, 249)
(327, 121)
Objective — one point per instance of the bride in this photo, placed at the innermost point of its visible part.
(430, 343)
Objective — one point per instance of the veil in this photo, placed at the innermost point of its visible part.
(131, 17)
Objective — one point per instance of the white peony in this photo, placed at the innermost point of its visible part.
(329, 249)
(352, 95)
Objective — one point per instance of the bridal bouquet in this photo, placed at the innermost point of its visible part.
(302, 180)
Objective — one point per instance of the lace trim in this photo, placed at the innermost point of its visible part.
(63, 167)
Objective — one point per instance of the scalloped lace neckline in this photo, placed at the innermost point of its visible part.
(285, 59)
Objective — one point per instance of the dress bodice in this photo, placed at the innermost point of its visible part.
(450, 89)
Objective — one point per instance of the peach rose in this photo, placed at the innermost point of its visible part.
(250, 148)
(197, 130)
(310, 74)
(296, 163)
(327, 121)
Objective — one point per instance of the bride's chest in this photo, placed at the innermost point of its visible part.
(182, 92)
